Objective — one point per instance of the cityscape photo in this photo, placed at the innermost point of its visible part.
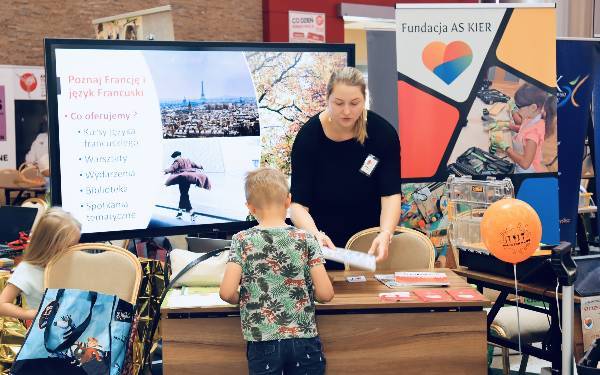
(215, 117)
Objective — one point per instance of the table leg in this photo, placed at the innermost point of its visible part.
(16, 200)
(582, 240)
(496, 307)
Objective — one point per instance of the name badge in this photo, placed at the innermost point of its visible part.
(369, 165)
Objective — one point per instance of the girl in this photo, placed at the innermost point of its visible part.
(534, 122)
(56, 231)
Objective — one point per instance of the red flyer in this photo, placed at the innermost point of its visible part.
(432, 295)
(396, 297)
(466, 294)
(421, 278)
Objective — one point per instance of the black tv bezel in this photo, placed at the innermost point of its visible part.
(50, 46)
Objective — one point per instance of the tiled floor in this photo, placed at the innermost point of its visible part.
(534, 365)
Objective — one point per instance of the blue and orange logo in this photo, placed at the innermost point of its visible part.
(447, 61)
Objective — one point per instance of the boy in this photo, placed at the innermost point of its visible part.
(281, 272)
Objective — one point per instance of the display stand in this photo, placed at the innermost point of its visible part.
(565, 269)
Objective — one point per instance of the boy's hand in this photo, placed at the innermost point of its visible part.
(324, 240)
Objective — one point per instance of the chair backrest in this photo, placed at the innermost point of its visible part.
(409, 249)
(41, 206)
(97, 267)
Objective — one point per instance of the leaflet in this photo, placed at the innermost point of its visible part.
(355, 259)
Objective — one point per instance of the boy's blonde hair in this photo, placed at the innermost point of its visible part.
(266, 186)
(352, 77)
(56, 231)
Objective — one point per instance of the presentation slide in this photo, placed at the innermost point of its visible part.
(161, 138)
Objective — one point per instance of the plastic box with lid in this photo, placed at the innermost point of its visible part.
(467, 201)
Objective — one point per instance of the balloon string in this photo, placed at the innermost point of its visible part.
(518, 315)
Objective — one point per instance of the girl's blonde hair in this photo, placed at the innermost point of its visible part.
(352, 77)
(56, 231)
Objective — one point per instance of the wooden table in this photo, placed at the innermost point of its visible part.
(360, 335)
(546, 293)
(8, 189)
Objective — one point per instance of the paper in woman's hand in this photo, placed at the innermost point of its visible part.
(355, 259)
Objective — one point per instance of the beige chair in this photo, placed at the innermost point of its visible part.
(409, 249)
(534, 328)
(38, 204)
(97, 267)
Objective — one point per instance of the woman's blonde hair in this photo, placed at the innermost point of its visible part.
(352, 77)
(266, 186)
(56, 231)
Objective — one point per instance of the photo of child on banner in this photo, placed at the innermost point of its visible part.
(511, 128)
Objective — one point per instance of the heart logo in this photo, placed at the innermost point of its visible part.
(588, 323)
(447, 61)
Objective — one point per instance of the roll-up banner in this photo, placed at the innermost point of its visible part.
(477, 96)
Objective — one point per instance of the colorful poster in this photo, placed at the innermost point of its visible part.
(595, 143)
(305, 27)
(574, 91)
(590, 320)
(22, 112)
(477, 96)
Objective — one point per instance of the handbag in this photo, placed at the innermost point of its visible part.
(76, 332)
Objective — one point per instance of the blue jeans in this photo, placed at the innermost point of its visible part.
(288, 356)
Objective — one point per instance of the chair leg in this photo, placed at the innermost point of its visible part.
(505, 362)
(523, 366)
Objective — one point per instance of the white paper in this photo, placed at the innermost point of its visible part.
(178, 301)
(354, 259)
(389, 281)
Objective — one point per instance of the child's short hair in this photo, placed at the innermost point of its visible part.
(265, 186)
(56, 231)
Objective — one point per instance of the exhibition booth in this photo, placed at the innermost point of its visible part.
(482, 257)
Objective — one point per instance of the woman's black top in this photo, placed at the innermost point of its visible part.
(327, 177)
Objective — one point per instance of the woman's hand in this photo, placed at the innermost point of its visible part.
(324, 240)
(380, 245)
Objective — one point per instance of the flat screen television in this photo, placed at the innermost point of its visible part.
(155, 138)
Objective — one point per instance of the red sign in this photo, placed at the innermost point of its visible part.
(28, 82)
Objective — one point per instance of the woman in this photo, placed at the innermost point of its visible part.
(346, 169)
(185, 172)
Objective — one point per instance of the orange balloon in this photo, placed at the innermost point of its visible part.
(511, 230)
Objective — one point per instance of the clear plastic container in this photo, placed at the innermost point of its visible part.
(467, 201)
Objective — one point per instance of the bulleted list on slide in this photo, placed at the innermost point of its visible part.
(110, 140)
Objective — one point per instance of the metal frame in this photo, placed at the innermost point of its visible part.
(551, 346)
